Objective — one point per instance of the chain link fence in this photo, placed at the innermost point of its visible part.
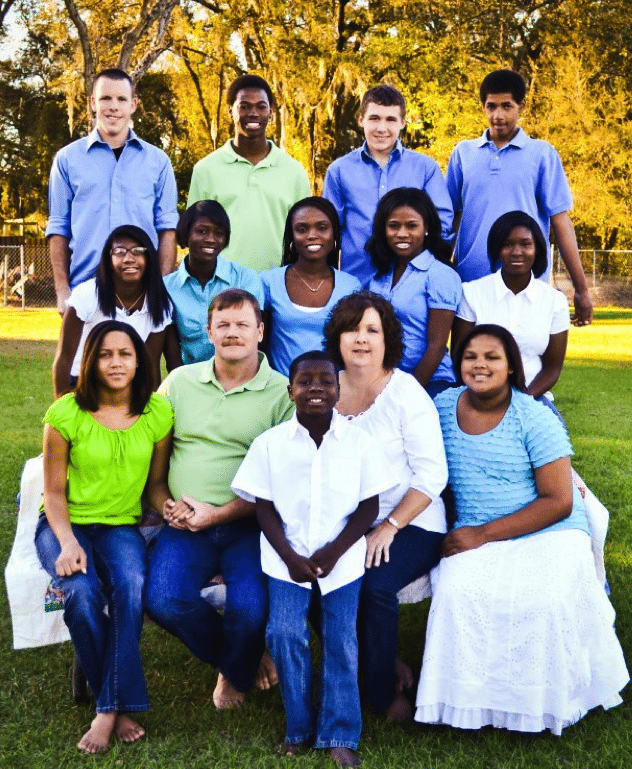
(609, 276)
(27, 277)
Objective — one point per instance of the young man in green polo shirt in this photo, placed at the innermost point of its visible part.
(255, 181)
(220, 407)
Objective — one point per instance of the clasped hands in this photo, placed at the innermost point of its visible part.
(189, 514)
(308, 569)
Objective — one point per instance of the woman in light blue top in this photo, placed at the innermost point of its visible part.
(520, 633)
(413, 272)
(300, 294)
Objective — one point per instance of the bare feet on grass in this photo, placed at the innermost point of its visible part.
(404, 676)
(266, 675)
(399, 711)
(344, 756)
(225, 695)
(97, 738)
(289, 748)
(126, 729)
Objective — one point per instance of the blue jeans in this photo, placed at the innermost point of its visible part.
(413, 553)
(339, 720)
(181, 564)
(437, 386)
(106, 644)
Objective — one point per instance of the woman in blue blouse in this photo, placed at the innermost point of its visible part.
(300, 294)
(413, 272)
(520, 634)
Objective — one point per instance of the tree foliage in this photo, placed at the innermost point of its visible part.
(319, 58)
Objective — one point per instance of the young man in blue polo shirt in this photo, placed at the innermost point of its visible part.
(107, 178)
(506, 170)
(356, 182)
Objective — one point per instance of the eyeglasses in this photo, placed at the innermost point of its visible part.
(134, 251)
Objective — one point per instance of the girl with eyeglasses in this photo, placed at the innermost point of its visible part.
(128, 286)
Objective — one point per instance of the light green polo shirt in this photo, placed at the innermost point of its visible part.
(214, 429)
(256, 198)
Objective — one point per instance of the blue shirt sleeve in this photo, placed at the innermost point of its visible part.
(552, 192)
(166, 199)
(333, 192)
(60, 195)
(454, 181)
(444, 288)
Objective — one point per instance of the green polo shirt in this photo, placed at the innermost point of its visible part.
(256, 198)
(214, 429)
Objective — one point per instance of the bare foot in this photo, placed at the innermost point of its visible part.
(97, 738)
(127, 730)
(399, 711)
(266, 675)
(404, 676)
(288, 748)
(344, 756)
(225, 695)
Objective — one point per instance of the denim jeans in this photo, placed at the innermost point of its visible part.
(106, 644)
(339, 720)
(181, 564)
(413, 553)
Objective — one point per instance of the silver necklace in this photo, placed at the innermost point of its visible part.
(128, 310)
(301, 278)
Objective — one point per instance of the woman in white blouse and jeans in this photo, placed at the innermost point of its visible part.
(364, 337)
(535, 313)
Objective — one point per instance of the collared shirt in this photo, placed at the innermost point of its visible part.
(90, 193)
(427, 284)
(485, 182)
(293, 329)
(532, 315)
(256, 198)
(355, 184)
(85, 302)
(214, 429)
(314, 490)
(192, 301)
(404, 420)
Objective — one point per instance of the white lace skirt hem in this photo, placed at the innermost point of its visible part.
(520, 636)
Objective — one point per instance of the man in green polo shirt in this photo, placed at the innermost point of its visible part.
(220, 407)
(255, 181)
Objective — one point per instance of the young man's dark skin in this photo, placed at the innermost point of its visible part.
(251, 113)
(314, 389)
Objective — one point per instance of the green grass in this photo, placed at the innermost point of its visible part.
(39, 724)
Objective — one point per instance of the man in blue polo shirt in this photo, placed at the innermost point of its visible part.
(505, 170)
(108, 178)
(356, 182)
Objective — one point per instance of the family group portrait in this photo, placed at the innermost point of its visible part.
(316, 428)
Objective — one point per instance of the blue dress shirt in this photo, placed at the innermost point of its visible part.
(293, 330)
(356, 182)
(427, 284)
(90, 193)
(485, 182)
(191, 303)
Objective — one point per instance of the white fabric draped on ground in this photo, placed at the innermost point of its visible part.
(520, 636)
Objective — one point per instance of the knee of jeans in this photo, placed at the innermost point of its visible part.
(129, 591)
(82, 596)
(281, 630)
(375, 594)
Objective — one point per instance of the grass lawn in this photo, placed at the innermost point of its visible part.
(39, 724)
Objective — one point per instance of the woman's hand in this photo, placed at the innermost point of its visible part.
(176, 514)
(462, 539)
(378, 543)
(71, 559)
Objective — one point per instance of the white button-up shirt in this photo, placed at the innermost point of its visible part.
(531, 315)
(314, 490)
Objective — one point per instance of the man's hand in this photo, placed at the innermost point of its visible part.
(325, 559)
(203, 515)
(583, 314)
(176, 514)
(63, 295)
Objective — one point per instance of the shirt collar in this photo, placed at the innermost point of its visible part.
(222, 271)
(258, 382)
(519, 140)
(501, 290)
(271, 159)
(296, 428)
(94, 138)
(395, 152)
(423, 260)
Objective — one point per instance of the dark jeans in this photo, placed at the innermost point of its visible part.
(181, 564)
(413, 553)
(106, 644)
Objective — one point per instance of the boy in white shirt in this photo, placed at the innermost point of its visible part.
(316, 481)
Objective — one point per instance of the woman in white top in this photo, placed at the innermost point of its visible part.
(535, 313)
(364, 337)
(128, 286)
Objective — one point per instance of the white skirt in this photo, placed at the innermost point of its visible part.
(520, 636)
